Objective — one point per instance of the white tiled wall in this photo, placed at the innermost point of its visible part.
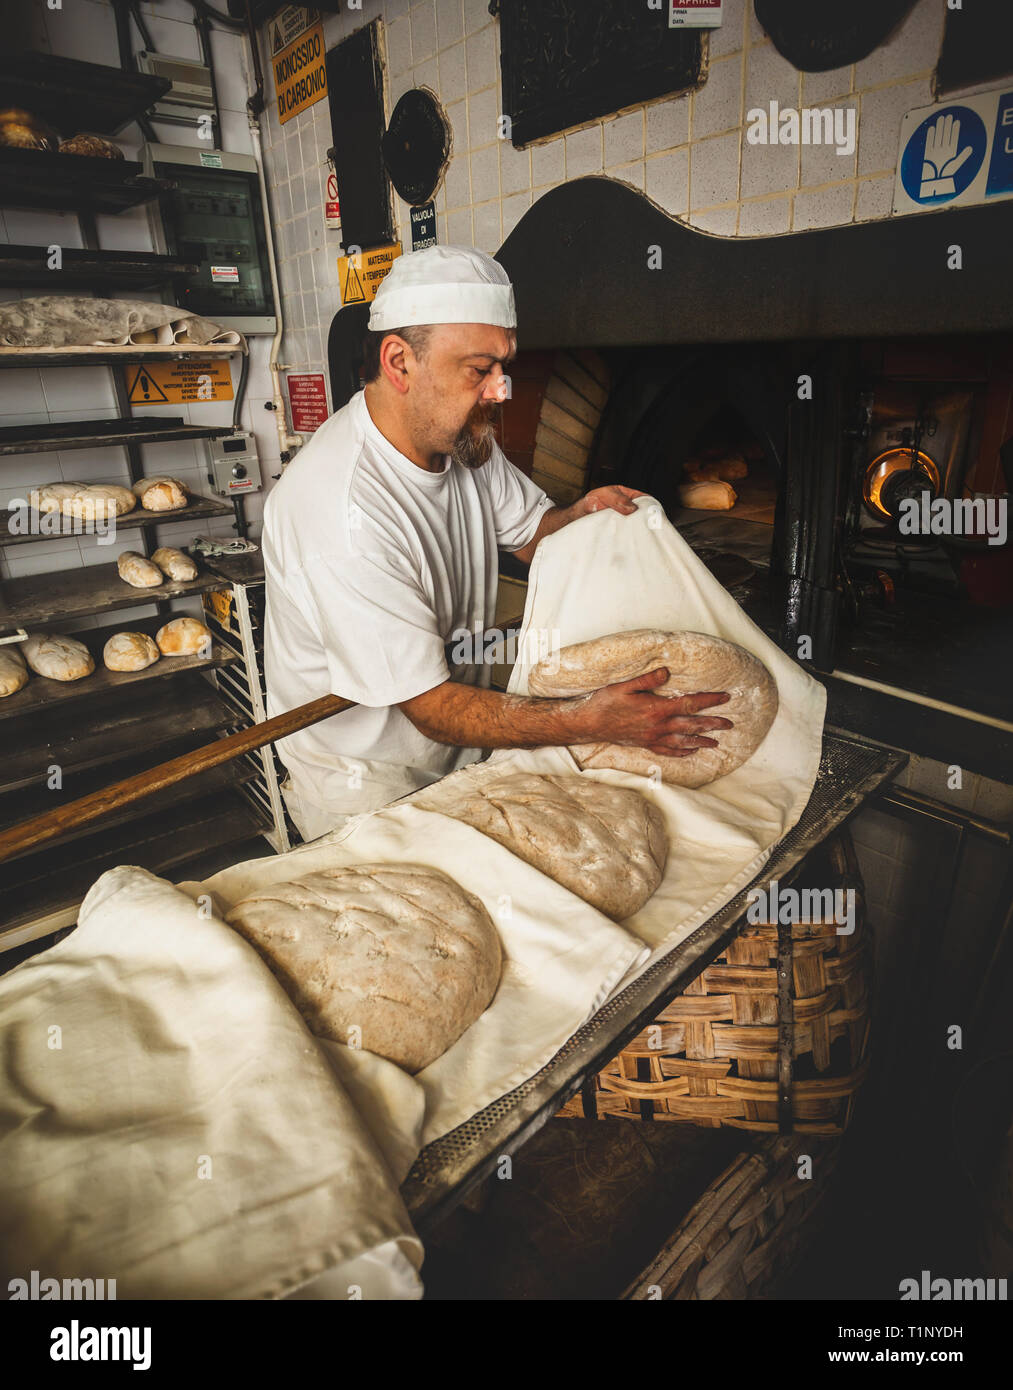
(85, 29)
(687, 154)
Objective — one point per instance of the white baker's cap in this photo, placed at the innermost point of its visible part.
(444, 284)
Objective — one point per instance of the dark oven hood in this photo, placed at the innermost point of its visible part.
(579, 259)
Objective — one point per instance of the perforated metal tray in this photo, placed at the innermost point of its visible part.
(447, 1169)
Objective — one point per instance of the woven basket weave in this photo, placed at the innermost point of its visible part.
(711, 1056)
(747, 1229)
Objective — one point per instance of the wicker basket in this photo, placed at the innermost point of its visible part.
(747, 1229)
(711, 1057)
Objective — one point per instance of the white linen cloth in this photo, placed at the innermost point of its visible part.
(167, 1121)
(610, 573)
(180, 1043)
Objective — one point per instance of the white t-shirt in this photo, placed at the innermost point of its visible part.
(374, 567)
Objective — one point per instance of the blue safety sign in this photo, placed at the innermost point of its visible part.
(956, 153)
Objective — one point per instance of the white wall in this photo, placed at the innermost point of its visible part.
(687, 154)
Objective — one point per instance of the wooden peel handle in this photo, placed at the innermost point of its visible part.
(23, 838)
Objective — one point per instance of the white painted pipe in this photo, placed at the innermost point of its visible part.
(287, 442)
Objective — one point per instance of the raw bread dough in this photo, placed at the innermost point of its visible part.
(59, 658)
(160, 494)
(696, 661)
(129, 651)
(138, 570)
(88, 501)
(175, 563)
(708, 496)
(183, 637)
(13, 671)
(606, 844)
(399, 951)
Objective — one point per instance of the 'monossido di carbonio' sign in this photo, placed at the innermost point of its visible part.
(300, 73)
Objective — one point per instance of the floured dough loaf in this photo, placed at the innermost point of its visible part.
(399, 951)
(184, 637)
(708, 496)
(606, 844)
(59, 658)
(87, 501)
(129, 651)
(160, 494)
(174, 563)
(13, 671)
(696, 661)
(138, 570)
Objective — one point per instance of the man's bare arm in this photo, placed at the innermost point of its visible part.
(625, 713)
(614, 497)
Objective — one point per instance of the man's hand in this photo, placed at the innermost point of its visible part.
(628, 713)
(616, 498)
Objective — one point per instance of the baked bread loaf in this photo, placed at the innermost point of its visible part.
(398, 951)
(20, 129)
(723, 469)
(160, 494)
(608, 845)
(696, 661)
(87, 501)
(129, 651)
(175, 563)
(13, 671)
(708, 496)
(94, 146)
(184, 637)
(58, 658)
(138, 570)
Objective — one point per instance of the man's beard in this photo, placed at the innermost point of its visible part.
(474, 444)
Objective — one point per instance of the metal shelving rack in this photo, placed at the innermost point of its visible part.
(237, 618)
(65, 739)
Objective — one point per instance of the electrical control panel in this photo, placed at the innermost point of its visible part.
(233, 465)
(214, 216)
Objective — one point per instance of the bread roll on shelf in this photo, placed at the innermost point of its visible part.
(174, 563)
(184, 637)
(85, 501)
(160, 494)
(130, 651)
(13, 671)
(58, 658)
(138, 571)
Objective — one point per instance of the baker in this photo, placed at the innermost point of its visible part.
(380, 548)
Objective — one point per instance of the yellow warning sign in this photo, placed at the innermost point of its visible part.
(300, 74)
(360, 275)
(179, 383)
